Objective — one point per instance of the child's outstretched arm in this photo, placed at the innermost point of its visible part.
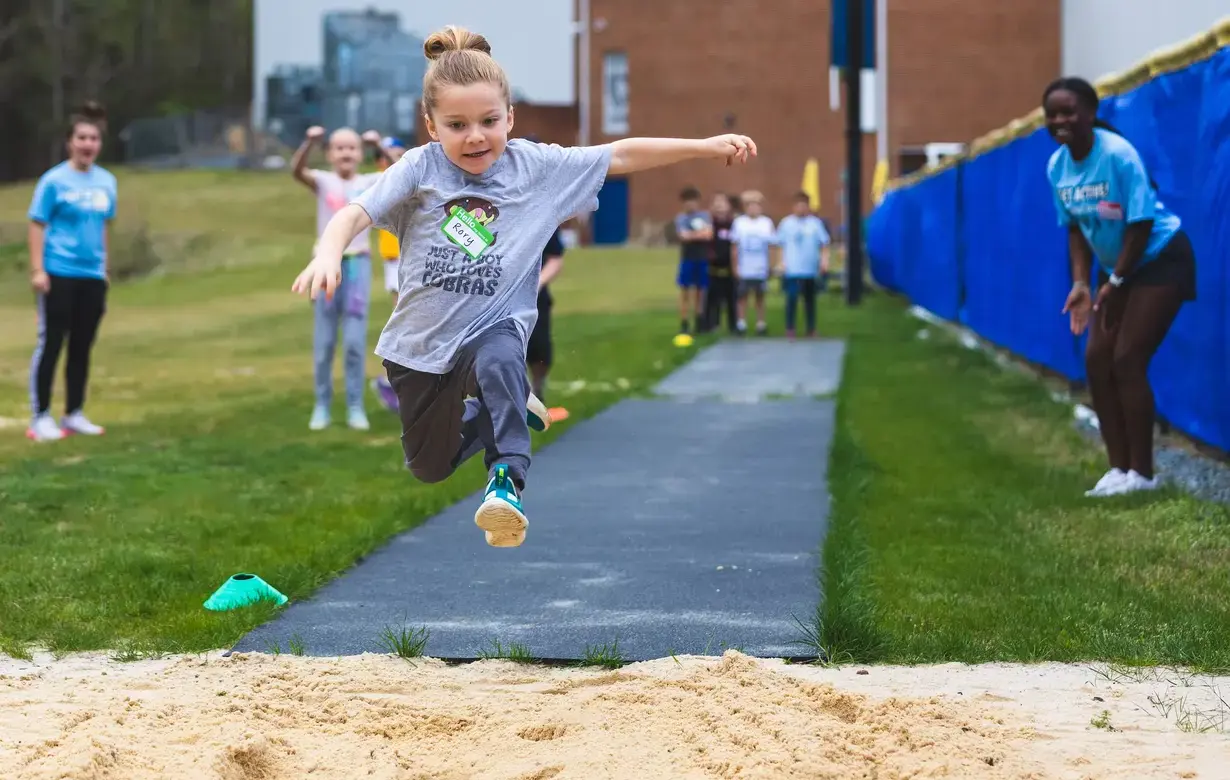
(629, 155)
(325, 270)
(298, 163)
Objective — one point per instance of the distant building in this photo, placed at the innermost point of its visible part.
(294, 101)
(373, 72)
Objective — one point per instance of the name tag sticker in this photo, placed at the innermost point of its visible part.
(466, 232)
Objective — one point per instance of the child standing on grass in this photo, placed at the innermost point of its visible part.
(70, 223)
(751, 236)
(473, 212)
(805, 261)
(695, 231)
(721, 293)
(335, 188)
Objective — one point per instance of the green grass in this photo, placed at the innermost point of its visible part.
(203, 375)
(960, 531)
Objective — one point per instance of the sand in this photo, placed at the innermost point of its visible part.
(258, 717)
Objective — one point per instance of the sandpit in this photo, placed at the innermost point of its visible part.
(260, 717)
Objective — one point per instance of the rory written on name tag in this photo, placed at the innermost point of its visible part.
(466, 232)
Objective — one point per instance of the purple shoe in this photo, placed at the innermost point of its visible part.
(384, 391)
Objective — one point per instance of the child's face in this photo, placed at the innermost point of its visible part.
(85, 144)
(345, 151)
(691, 205)
(753, 208)
(472, 123)
(801, 208)
(721, 204)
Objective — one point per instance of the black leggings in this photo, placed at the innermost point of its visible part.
(71, 309)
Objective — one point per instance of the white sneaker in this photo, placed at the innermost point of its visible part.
(77, 422)
(320, 419)
(1136, 481)
(356, 418)
(1109, 484)
(44, 428)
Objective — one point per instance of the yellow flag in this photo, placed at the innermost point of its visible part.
(879, 181)
(811, 182)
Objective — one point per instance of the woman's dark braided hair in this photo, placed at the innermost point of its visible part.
(1086, 95)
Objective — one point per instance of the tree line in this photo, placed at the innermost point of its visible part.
(139, 58)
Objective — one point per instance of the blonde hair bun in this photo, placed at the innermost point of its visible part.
(454, 38)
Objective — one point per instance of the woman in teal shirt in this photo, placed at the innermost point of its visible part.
(70, 216)
(1146, 271)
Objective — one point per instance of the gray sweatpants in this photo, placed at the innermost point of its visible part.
(347, 312)
(441, 428)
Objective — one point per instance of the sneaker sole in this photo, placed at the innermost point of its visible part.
(33, 437)
(536, 414)
(505, 526)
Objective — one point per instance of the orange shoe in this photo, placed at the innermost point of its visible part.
(558, 413)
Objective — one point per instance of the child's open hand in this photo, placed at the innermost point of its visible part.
(315, 133)
(320, 274)
(732, 147)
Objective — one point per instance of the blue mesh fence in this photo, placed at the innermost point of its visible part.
(979, 244)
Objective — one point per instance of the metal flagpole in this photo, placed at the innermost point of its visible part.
(854, 152)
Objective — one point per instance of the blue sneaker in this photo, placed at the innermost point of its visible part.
(536, 414)
(500, 514)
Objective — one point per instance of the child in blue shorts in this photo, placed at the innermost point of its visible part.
(695, 231)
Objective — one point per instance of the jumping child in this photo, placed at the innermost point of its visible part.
(334, 189)
(751, 236)
(473, 212)
(805, 261)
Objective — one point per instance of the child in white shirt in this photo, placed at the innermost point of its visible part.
(751, 236)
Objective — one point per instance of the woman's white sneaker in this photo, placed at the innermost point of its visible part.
(80, 424)
(44, 428)
(1110, 483)
(1136, 481)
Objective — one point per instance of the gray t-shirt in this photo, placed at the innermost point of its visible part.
(446, 295)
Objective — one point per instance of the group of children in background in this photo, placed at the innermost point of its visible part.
(729, 253)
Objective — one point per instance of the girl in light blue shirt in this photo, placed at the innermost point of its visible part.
(70, 216)
(1146, 270)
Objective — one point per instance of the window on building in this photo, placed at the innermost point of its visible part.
(615, 93)
(403, 113)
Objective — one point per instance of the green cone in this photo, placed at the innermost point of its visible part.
(242, 590)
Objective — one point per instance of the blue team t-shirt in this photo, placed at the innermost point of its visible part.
(75, 206)
(802, 238)
(1104, 193)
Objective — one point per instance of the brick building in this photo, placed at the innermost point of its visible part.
(956, 69)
